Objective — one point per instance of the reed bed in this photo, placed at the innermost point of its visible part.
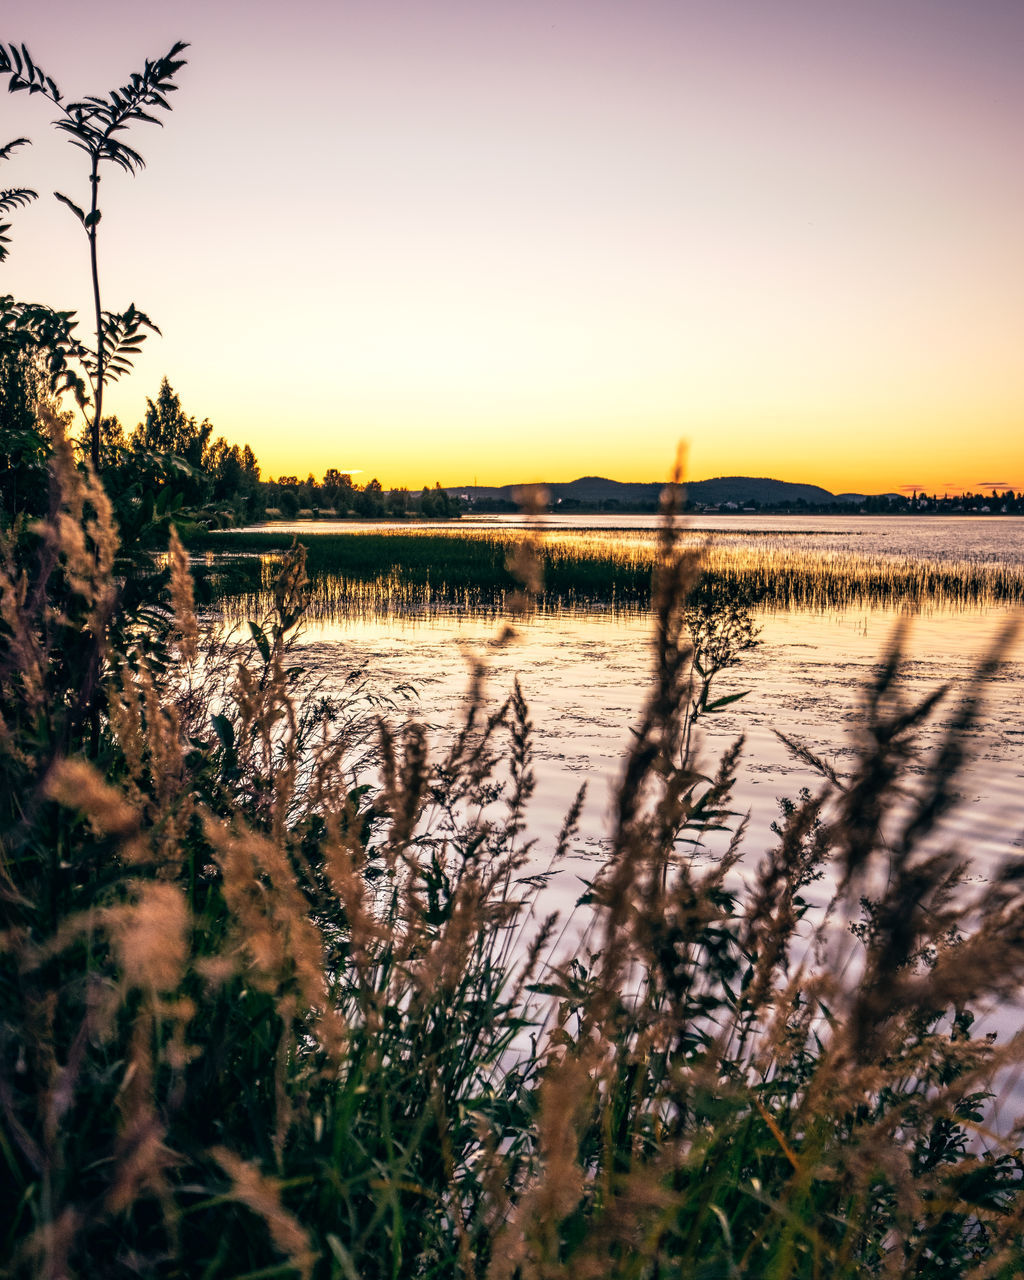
(394, 573)
(259, 1018)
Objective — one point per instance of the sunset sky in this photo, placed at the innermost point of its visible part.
(514, 240)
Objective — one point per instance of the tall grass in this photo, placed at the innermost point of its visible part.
(395, 572)
(258, 1019)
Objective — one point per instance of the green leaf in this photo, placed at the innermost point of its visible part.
(260, 640)
(342, 1257)
(224, 730)
(15, 197)
(724, 702)
(72, 206)
(5, 151)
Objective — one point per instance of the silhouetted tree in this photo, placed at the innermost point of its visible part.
(24, 449)
(338, 489)
(113, 443)
(95, 126)
(442, 503)
(168, 429)
(369, 501)
(23, 384)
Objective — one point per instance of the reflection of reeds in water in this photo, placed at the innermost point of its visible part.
(383, 574)
(336, 599)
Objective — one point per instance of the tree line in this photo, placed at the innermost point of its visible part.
(175, 461)
(221, 483)
(338, 494)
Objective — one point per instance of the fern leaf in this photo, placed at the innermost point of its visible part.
(7, 151)
(16, 197)
(79, 214)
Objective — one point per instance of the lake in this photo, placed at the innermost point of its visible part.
(584, 667)
(928, 537)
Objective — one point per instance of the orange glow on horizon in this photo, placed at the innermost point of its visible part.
(486, 246)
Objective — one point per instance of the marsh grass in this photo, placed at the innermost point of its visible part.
(386, 573)
(258, 1021)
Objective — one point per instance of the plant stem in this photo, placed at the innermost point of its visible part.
(94, 180)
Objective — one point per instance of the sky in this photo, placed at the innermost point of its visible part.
(519, 240)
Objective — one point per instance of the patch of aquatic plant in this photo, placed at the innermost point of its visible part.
(400, 572)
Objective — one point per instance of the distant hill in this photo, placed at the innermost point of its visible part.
(598, 489)
(863, 497)
(741, 490)
(585, 490)
(744, 490)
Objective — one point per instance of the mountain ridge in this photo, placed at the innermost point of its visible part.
(716, 491)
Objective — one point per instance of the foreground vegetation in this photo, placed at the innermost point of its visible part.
(270, 1007)
(278, 996)
(395, 571)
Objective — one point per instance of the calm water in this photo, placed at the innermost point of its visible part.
(584, 674)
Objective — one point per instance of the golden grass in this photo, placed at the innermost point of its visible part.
(256, 1021)
(392, 572)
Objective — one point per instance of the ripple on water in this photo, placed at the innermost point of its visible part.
(585, 677)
